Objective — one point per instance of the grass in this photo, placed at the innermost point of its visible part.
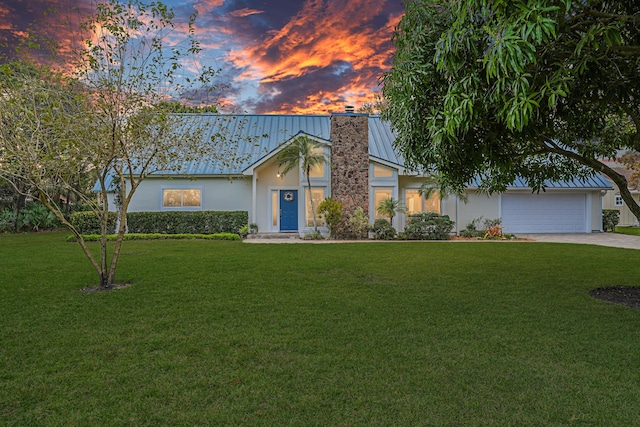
(365, 334)
(633, 231)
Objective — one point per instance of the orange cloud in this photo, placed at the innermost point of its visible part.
(241, 13)
(320, 36)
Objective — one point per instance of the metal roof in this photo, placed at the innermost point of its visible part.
(258, 136)
(596, 182)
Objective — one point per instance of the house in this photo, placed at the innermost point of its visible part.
(613, 200)
(364, 169)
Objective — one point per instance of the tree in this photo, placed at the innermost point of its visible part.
(541, 89)
(37, 107)
(307, 154)
(120, 126)
(389, 207)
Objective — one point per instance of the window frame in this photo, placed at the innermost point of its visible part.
(385, 188)
(618, 200)
(182, 207)
(423, 202)
(307, 204)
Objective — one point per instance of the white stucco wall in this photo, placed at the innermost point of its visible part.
(478, 205)
(218, 194)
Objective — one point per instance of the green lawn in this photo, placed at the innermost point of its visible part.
(367, 334)
(634, 231)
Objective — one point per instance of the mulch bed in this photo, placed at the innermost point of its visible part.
(623, 295)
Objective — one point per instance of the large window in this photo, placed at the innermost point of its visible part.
(382, 172)
(181, 198)
(318, 197)
(416, 203)
(318, 170)
(379, 194)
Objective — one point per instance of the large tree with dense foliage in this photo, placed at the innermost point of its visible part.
(121, 127)
(541, 89)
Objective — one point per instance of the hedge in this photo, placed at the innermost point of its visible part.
(156, 236)
(87, 222)
(185, 222)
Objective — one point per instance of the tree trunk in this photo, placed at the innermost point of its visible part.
(19, 202)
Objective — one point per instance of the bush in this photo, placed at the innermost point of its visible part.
(157, 236)
(6, 221)
(610, 218)
(331, 210)
(359, 223)
(428, 226)
(33, 217)
(88, 223)
(472, 229)
(383, 230)
(313, 235)
(185, 222)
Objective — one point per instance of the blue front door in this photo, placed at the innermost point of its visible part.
(288, 210)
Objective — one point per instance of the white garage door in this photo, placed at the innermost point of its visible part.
(544, 213)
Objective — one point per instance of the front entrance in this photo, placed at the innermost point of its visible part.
(288, 210)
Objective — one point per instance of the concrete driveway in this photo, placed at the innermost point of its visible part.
(603, 239)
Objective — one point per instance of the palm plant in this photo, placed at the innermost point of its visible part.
(307, 153)
(389, 207)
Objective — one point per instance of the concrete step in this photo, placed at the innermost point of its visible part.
(292, 235)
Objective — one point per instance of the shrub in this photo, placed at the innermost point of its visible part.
(610, 218)
(6, 221)
(428, 226)
(313, 235)
(186, 222)
(472, 229)
(35, 217)
(383, 230)
(331, 210)
(157, 236)
(359, 223)
(88, 223)
(492, 229)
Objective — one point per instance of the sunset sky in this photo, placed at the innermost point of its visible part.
(276, 56)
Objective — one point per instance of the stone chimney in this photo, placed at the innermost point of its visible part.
(350, 165)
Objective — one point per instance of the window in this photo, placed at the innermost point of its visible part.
(274, 208)
(181, 198)
(382, 172)
(415, 203)
(618, 200)
(318, 197)
(379, 194)
(318, 170)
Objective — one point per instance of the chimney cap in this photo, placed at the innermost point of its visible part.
(349, 109)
